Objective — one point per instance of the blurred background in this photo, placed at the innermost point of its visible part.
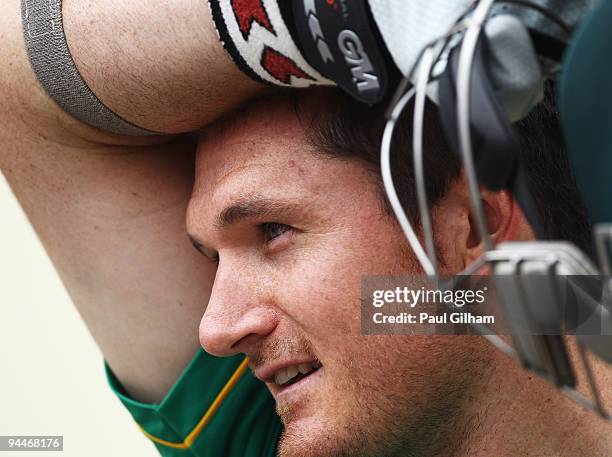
(51, 372)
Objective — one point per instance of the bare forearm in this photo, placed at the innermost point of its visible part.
(158, 65)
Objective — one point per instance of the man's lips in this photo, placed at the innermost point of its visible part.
(281, 374)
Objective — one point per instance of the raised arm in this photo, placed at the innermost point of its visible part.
(110, 209)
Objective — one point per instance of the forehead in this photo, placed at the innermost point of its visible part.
(261, 146)
(264, 151)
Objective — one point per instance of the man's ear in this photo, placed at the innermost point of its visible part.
(456, 229)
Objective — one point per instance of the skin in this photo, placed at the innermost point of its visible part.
(291, 250)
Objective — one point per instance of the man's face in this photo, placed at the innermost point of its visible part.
(294, 233)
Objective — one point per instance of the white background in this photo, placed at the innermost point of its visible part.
(51, 372)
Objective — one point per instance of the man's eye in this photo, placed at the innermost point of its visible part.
(273, 230)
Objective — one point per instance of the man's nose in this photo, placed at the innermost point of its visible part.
(237, 319)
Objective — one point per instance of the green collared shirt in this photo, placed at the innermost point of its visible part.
(217, 408)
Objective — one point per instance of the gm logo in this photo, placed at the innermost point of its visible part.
(361, 67)
(341, 43)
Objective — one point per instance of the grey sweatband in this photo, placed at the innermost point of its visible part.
(56, 71)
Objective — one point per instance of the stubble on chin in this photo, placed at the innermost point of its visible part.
(347, 423)
(334, 430)
(368, 415)
(329, 443)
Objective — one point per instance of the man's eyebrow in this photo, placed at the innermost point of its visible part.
(253, 207)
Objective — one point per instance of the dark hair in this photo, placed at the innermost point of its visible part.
(346, 128)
